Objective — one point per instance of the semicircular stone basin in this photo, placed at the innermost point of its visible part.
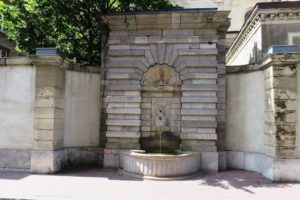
(160, 165)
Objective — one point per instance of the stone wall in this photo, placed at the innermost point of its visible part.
(183, 41)
(36, 92)
(261, 126)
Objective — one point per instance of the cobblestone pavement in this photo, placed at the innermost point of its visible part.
(91, 183)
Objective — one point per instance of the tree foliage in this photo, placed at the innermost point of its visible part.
(74, 27)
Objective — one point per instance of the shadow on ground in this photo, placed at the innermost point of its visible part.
(96, 172)
(243, 180)
(13, 175)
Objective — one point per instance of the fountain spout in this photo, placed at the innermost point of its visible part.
(161, 122)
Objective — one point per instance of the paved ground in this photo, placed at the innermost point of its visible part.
(110, 185)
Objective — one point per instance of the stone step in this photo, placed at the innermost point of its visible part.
(123, 99)
(204, 112)
(199, 124)
(124, 110)
(200, 87)
(199, 99)
(119, 122)
(188, 76)
(123, 134)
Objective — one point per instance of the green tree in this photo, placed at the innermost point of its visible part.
(74, 26)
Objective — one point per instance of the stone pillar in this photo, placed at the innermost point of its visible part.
(49, 114)
(280, 110)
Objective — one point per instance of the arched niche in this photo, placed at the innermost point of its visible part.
(161, 95)
(161, 75)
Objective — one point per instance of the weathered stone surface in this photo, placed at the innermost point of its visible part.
(199, 111)
(199, 124)
(116, 134)
(209, 161)
(123, 110)
(222, 160)
(123, 99)
(111, 158)
(199, 148)
(199, 87)
(15, 160)
(199, 99)
(236, 160)
(118, 122)
(47, 162)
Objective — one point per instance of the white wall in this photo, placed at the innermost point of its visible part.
(17, 96)
(82, 109)
(245, 112)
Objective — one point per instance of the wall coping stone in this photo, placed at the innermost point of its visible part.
(15, 61)
(56, 60)
(273, 59)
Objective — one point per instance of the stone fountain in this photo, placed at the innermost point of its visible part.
(161, 72)
(160, 156)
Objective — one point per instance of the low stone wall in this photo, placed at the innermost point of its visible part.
(261, 128)
(281, 170)
(49, 116)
